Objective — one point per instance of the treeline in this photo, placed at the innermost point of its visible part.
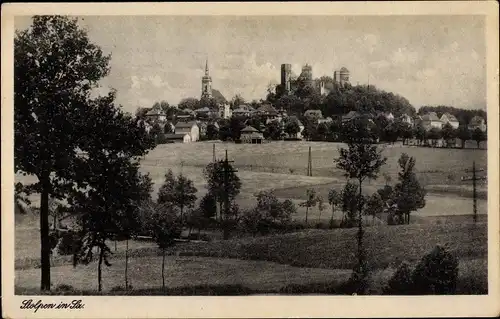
(463, 116)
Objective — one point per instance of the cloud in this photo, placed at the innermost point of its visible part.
(381, 64)
(369, 41)
(404, 56)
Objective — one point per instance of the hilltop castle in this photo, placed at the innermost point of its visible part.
(340, 78)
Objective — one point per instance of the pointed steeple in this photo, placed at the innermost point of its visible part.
(206, 67)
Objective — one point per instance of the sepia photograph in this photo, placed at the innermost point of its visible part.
(250, 155)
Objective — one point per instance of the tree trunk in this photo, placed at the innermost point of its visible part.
(163, 269)
(99, 269)
(408, 218)
(360, 231)
(44, 235)
(333, 212)
(126, 264)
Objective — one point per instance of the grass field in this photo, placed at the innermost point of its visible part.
(272, 262)
(304, 258)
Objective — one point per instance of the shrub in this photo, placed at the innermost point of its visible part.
(401, 282)
(67, 242)
(436, 273)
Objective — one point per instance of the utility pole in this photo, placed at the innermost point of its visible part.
(227, 169)
(309, 163)
(213, 152)
(474, 178)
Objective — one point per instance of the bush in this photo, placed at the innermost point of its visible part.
(66, 243)
(401, 282)
(436, 273)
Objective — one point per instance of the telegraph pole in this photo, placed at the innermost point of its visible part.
(474, 179)
(213, 152)
(309, 163)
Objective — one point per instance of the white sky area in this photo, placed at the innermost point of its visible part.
(430, 60)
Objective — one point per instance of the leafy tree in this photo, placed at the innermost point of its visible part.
(420, 133)
(448, 133)
(224, 185)
(434, 134)
(349, 200)
(385, 193)
(405, 132)
(273, 130)
(236, 101)
(179, 192)
(375, 205)
(167, 129)
(162, 223)
(409, 195)
(436, 273)
(321, 206)
(212, 131)
(208, 207)
(55, 68)
(156, 133)
(311, 200)
(235, 127)
(141, 112)
(360, 161)
(189, 103)
(463, 134)
(478, 136)
(271, 208)
(334, 198)
(292, 128)
(323, 131)
(401, 282)
(109, 184)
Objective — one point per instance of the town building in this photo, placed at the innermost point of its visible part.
(430, 121)
(286, 77)
(477, 122)
(251, 135)
(156, 114)
(448, 118)
(405, 118)
(225, 111)
(350, 116)
(190, 128)
(178, 138)
(243, 110)
(341, 77)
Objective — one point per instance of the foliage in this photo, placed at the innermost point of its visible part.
(311, 201)
(208, 206)
(401, 282)
(292, 128)
(55, 69)
(436, 273)
(236, 101)
(434, 134)
(448, 133)
(334, 199)
(478, 136)
(409, 195)
(189, 103)
(463, 116)
(212, 131)
(273, 130)
(375, 205)
(177, 191)
(349, 200)
(464, 134)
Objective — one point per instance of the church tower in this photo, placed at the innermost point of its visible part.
(206, 84)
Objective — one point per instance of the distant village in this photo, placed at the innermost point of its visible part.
(190, 125)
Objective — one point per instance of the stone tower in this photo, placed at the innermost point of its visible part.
(206, 83)
(307, 75)
(286, 74)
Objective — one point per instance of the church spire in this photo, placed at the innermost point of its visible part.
(206, 67)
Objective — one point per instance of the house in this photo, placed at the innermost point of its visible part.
(350, 116)
(225, 111)
(405, 118)
(156, 115)
(267, 110)
(251, 135)
(477, 122)
(313, 114)
(327, 120)
(190, 128)
(301, 126)
(448, 118)
(178, 138)
(204, 112)
(243, 110)
(389, 116)
(431, 120)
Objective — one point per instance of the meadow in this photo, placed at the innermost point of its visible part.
(278, 263)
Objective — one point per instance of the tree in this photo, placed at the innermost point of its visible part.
(391, 132)
(360, 161)
(463, 134)
(224, 185)
(420, 133)
(434, 134)
(55, 68)
(189, 103)
(322, 131)
(321, 206)
(310, 201)
(179, 192)
(375, 205)
(478, 136)
(109, 185)
(235, 127)
(349, 200)
(334, 199)
(292, 128)
(162, 223)
(141, 112)
(273, 130)
(167, 129)
(156, 133)
(208, 207)
(236, 101)
(448, 133)
(212, 131)
(409, 195)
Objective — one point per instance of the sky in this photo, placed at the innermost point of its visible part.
(430, 60)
